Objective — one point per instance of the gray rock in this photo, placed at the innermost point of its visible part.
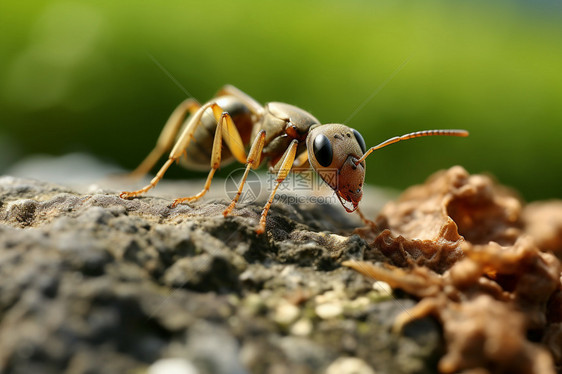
(93, 283)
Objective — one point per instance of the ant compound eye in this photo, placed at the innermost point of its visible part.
(323, 150)
(360, 140)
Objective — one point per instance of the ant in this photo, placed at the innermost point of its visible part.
(287, 136)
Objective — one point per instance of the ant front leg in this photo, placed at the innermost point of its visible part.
(285, 167)
(301, 162)
(166, 139)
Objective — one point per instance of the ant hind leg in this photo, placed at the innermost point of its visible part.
(175, 154)
(167, 136)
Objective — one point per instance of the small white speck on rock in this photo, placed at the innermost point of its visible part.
(329, 310)
(303, 327)
(172, 366)
(382, 288)
(349, 365)
(286, 313)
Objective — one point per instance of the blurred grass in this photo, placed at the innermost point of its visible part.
(77, 76)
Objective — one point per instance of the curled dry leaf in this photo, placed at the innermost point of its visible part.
(543, 221)
(483, 264)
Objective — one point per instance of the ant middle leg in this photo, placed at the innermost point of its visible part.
(284, 167)
(226, 129)
(252, 162)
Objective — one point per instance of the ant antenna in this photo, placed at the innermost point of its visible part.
(412, 135)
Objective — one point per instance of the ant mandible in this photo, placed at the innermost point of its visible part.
(285, 135)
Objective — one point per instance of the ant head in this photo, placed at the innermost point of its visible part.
(334, 151)
(338, 154)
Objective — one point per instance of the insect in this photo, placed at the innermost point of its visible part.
(286, 136)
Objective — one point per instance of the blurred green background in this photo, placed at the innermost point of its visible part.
(88, 77)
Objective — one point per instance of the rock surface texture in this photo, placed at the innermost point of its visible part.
(93, 283)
